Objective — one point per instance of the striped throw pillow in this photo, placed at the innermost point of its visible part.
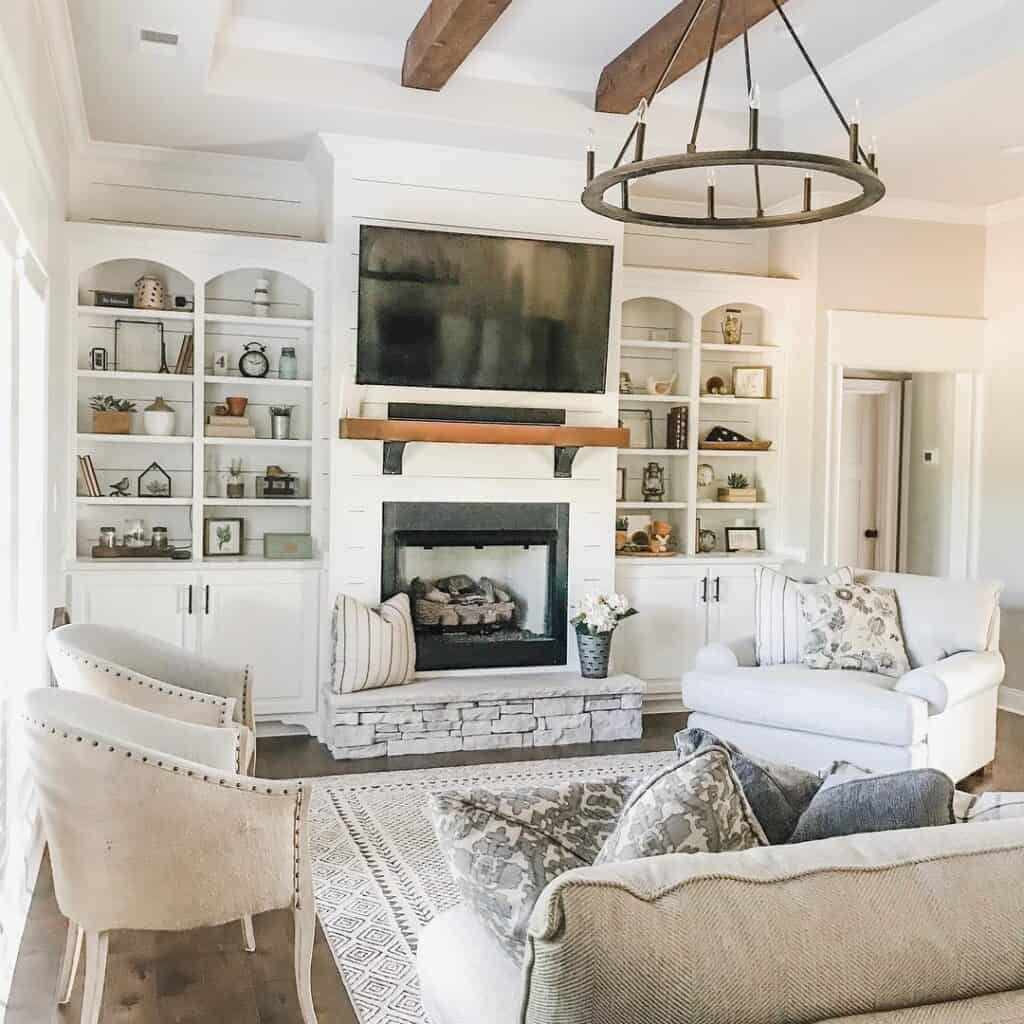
(372, 647)
(777, 614)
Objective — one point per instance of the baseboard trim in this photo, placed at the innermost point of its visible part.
(1011, 700)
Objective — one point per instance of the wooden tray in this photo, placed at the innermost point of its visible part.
(645, 554)
(99, 551)
(735, 446)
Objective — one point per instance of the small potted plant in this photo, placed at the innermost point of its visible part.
(739, 489)
(111, 415)
(621, 532)
(595, 619)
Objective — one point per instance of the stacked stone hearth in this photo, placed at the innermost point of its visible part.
(494, 713)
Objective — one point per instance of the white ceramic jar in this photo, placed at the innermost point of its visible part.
(158, 419)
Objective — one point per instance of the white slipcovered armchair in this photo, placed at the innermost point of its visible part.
(941, 714)
(150, 827)
(137, 669)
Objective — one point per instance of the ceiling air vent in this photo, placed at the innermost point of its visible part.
(151, 41)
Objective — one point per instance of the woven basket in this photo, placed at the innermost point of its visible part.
(594, 654)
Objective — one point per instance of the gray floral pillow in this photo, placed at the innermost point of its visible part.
(503, 847)
(693, 806)
(855, 627)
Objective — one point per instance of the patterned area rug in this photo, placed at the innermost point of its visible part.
(380, 877)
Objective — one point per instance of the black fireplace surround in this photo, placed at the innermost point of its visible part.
(478, 525)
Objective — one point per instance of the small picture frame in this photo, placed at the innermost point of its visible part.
(640, 424)
(752, 381)
(222, 536)
(98, 358)
(620, 490)
(220, 363)
(744, 539)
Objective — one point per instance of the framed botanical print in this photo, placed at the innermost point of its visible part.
(222, 536)
(751, 381)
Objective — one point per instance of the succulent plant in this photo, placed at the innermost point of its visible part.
(737, 481)
(108, 403)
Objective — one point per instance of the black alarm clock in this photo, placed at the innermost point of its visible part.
(254, 362)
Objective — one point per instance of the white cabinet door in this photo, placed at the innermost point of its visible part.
(267, 620)
(662, 639)
(153, 602)
(730, 602)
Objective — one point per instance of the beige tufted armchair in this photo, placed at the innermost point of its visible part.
(147, 673)
(150, 827)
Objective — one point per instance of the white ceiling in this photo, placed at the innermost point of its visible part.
(939, 81)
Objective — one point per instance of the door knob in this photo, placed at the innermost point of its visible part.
(871, 534)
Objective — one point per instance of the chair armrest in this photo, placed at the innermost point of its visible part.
(954, 679)
(723, 657)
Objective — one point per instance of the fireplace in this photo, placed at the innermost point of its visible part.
(487, 582)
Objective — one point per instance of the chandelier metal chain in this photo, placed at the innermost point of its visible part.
(861, 167)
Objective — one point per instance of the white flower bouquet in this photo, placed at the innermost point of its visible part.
(598, 614)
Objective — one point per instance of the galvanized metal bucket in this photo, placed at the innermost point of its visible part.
(594, 654)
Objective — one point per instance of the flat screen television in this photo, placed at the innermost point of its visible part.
(445, 310)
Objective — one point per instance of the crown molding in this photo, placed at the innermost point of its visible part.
(60, 41)
(1005, 212)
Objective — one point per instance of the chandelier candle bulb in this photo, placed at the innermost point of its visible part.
(855, 134)
(711, 193)
(873, 153)
(590, 156)
(808, 182)
(755, 114)
(641, 130)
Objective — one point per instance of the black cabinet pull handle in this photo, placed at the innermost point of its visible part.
(718, 589)
(207, 599)
(190, 599)
(704, 591)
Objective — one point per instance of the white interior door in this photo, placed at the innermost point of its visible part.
(869, 461)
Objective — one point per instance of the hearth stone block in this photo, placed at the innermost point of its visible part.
(602, 704)
(442, 714)
(371, 717)
(352, 735)
(488, 703)
(561, 736)
(411, 727)
(400, 716)
(503, 741)
(565, 722)
(631, 701)
(427, 745)
(353, 753)
(514, 723)
(476, 728)
(382, 729)
(482, 713)
(518, 708)
(427, 707)
(346, 718)
(438, 726)
(616, 725)
(544, 706)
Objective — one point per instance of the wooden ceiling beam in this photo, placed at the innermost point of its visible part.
(635, 72)
(444, 37)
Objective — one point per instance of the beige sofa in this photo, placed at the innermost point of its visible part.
(913, 927)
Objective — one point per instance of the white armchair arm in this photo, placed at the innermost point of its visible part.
(954, 679)
(723, 657)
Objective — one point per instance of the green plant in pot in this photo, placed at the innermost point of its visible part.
(739, 489)
(595, 619)
(111, 415)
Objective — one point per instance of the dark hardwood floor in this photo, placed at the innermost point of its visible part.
(205, 975)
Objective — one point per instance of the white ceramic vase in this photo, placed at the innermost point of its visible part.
(158, 419)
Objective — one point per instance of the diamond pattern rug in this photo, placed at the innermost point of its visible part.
(380, 877)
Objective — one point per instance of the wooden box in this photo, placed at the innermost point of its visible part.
(287, 545)
(746, 494)
(112, 422)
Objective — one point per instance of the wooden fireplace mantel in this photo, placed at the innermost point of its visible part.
(396, 434)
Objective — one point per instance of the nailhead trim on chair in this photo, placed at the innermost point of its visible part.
(180, 692)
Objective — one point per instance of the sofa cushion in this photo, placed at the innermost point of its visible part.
(777, 793)
(836, 702)
(777, 612)
(852, 627)
(853, 800)
(693, 806)
(504, 846)
(941, 617)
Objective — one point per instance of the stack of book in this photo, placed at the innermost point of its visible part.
(89, 478)
(229, 426)
(185, 353)
(677, 435)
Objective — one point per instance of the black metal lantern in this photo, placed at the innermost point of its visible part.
(861, 167)
(154, 482)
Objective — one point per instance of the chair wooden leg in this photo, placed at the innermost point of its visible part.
(248, 935)
(305, 934)
(96, 945)
(69, 963)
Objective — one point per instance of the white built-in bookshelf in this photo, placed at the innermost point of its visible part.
(215, 277)
(672, 332)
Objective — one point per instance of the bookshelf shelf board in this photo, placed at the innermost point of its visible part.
(276, 382)
(672, 346)
(259, 502)
(132, 439)
(258, 321)
(726, 506)
(644, 399)
(134, 314)
(715, 453)
(670, 505)
(717, 346)
(155, 502)
(258, 442)
(668, 453)
(733, 400)
(133, 375)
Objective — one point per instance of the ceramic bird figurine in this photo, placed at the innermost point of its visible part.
(121, 488)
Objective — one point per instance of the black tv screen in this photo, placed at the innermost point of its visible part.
(445, 310)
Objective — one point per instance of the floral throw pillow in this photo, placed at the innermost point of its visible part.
(854, 627)
(503, 847)
(693, 806)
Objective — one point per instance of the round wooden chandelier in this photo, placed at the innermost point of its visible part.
(861, 167)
